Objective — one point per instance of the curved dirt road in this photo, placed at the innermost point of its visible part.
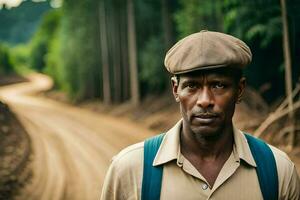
(72, 147)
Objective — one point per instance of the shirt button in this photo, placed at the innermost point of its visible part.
(180, 164)
(204, 186)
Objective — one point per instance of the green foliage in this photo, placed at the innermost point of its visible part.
(20, 56)
(39, 49)
(80, 52)
(196, 15)
(42, 39)
(151, 49)
(5, 61)
(152, 74)
(67, 44)
(53, 61)
(148, 20)
(259, 24)
(252, 20)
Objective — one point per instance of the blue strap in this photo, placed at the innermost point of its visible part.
(266, 167)
(152, 176)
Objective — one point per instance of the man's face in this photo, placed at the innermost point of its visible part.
(207, 99)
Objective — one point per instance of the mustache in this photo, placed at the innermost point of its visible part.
(204, 113)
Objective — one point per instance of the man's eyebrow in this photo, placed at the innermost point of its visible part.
(189, 81)
(220, 76)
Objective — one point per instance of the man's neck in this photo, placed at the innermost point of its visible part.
(207, 148)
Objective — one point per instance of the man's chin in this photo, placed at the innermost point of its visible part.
(206, 131)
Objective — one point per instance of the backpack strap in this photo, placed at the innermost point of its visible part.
(266, 167)
(152, 175)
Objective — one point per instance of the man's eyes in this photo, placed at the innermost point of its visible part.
(218, 85)
(191, 85)
(214, 85)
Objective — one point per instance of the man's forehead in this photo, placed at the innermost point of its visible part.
(218, 72)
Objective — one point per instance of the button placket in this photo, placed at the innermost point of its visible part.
(204, 186)
(180, 161)
(205, 189)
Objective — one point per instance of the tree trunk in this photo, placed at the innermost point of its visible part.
(288, 70)
(124, 53)
(104, 54)
(116, 53)
(134, 84)
(167, 24)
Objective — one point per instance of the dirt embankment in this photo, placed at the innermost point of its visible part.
(14, 154)
(11, 79)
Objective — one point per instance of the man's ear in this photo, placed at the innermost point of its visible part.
(241, 89)
(174, 81)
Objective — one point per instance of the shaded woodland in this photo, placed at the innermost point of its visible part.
(113, 50)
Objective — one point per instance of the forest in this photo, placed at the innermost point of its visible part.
(106, 58)
(113, 50)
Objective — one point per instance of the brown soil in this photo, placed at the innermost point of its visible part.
(11, 79)
(14, 154)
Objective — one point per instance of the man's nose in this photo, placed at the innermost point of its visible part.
(205, 98)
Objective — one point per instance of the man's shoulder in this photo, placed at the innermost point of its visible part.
(282, 159)
(124, 174)
(130, 157)
(285, 167)
(287, 175)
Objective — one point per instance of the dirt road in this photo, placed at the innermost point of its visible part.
(72, 147)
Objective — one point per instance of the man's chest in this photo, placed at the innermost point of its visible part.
(209, 170)
(183, 183)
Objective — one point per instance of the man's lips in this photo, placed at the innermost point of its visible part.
(205, 115)
(205, 118)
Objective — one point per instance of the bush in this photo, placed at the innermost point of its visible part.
(20, 56)
(41, 41)
(5, 60)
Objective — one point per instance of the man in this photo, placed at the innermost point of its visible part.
(204, 156)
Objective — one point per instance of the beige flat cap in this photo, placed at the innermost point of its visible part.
(205, 50)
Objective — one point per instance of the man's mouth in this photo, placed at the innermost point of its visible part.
(205, 118)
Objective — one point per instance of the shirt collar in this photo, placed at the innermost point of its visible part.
(242, 147)
(170, 147)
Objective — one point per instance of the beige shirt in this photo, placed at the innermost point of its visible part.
(181, 180)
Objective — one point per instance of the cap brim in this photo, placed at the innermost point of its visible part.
(200, 68)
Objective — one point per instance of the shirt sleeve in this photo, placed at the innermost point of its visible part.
(110, 187)
(123, 179)
(293, 190)
(118, 183)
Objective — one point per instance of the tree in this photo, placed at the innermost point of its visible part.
(196, 15)
(80, 49)
(5, 61)
(104, 54)
(288, 70)
(167, 23)
(41, 40)
(134, 84)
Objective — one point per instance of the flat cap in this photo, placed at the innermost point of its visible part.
(205, 50)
